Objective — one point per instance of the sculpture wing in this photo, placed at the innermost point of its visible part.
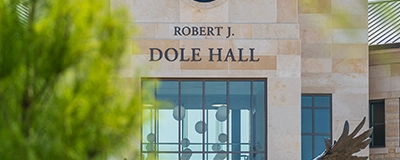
(347, 144)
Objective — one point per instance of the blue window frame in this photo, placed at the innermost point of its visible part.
(204, 119)
(315, 124)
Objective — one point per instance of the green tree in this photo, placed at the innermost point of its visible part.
(60, 93)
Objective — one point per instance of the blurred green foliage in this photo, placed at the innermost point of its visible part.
(60, 93)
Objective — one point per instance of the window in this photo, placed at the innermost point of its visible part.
(377, 120)
(205, 119)
(315, 124)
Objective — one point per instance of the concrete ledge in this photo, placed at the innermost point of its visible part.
(383, 150)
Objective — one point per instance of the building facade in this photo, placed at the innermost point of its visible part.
(384, 96)
(384, 82)
(257, 79)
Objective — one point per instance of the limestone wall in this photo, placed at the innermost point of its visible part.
(270, 27)
(334, 57)
(385, 85)
(303, 46)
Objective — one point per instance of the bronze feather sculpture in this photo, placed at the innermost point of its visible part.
(347, 144)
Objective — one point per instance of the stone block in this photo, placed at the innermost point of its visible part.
(392, 132)
(314, 90)
(289, 63)
(316, 65)
(350, 106)
(284, 132)
(350, 79)
(350, 65)
(379, 71)
(311, 6)
(395, 83)
(351, 90)
(350, 36)
(284, 91)
(395, 69)
(311, 50)
(350, 21)
(289, 47)
(255, 11)
(145, 45)
(239, 31)
(316, 35)
(317, 80)
(204, 64)
(288, 74)
(276, 31)
(149, 11)
(264, 63)
(252, 73)
(379, 95)
(349, 7)
(145, 30)
(203, 73)
(315, 20)
(392, 102)
(350, 51)
(262, 47)
(287, 11)
(380, 84)
(189, 13)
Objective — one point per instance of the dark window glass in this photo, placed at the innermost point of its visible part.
(204, 119)
(315, 124)
(377, 120)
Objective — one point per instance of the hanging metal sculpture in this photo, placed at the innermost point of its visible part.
(347, 144)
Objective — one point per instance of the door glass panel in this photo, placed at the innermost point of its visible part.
(193, 119)
(217, 112)
(258, 112)
(191, 101)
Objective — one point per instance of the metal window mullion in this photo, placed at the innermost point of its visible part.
(207, 136)
(227, 119)
(180, 119)
(384, 123)
(141, 118)
(330, 118)
(266, 118)
(313, 127)
(203, 107)
(156, 125)
(251, 121)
